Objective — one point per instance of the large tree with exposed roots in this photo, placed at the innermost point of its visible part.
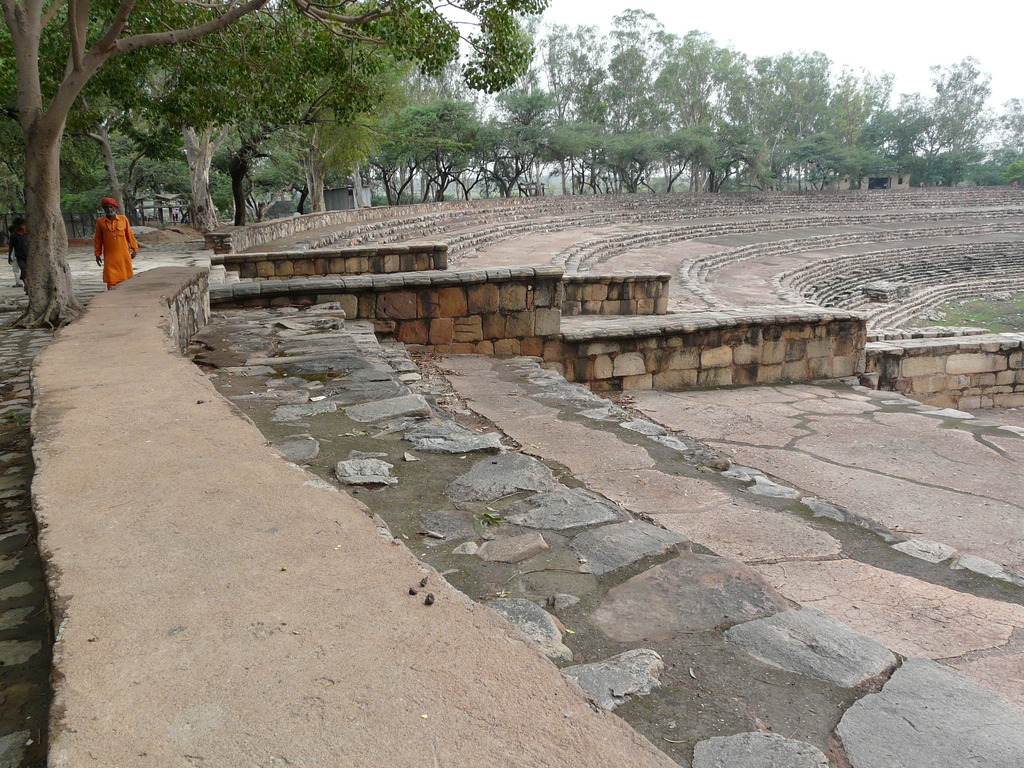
(55, 47)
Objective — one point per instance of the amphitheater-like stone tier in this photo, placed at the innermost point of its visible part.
(615, 295)
(710, 349)
(487, 311)
(966, 372)
(351, 260)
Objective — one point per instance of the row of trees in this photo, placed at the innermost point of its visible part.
(643, 109)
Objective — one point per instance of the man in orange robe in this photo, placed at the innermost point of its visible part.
(115, 244)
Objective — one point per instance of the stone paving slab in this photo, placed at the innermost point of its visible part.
(929, 715)
(757, 750)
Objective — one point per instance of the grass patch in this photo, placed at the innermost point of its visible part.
(1000, 315)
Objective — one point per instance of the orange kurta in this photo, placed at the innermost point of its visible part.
(115, 241)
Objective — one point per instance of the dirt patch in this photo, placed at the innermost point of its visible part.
(175, 234)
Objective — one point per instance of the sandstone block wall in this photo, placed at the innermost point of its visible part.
(486, 311)
(711, 350)
(587, 294)
(960, 372)
(352, 260)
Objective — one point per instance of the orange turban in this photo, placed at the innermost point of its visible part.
(109, 201)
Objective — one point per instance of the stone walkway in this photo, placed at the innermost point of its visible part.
(730, 615)
(25, 626)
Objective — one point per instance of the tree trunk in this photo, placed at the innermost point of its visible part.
(357, 187)
(102, 137)
(238, 167)
(313, 164)
(51, 299)
(199, 151)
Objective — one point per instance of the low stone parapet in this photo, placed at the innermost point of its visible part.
(588, 294)
(485, 311)
(956, 372)
(351, 260)
(710, 349)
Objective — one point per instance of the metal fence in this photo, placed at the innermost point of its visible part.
(78, 223)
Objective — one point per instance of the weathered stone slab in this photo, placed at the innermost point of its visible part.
(355, 392)
(365, 472)
(614, 681)
(764, 487)
(501, 475)
(671, 442)
(382, 410)
(614, 546)
(452, 525)
(757, 750)
(451, 437)
(536, 623)
(988, 568)
(296, 412)
(923, 549)
(812, 643)
(301, 450)
(564, 508)
(644, 427)
(512, 549)
(12, 747)
(687, 594)
(927, 715)
(949, 413)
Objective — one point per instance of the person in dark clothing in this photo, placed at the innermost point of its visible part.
(17, 248)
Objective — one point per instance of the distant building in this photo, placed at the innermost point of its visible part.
(880, 181)
(343, 198)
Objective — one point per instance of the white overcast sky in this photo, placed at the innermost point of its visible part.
(901, 37)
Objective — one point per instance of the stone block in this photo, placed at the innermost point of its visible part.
(795, 370)
(392, 262)
(819, 367)
(520, 324)
(452, 302)
(661, 306)
(265, 268)
(284, 269)
(603, 368)
(1009, 400)
(247, 271)
(769, 374)
(928, 384)
(684, 358)
(745, 354)
(796, 349)
(745, 375)
(398, 305)
(921, 366)
(643, 381)
(984, 380)
(679, 379)
(629, 364)
(507, 347)
(715, 377)
(819, 348)
(467, 329)
(481, 299)
(367, 305)
(512, 297)
(532, 346)
(976, 363)
(281, 301)
(412, 332)
(595, 291)
(1006, 378)
(553, 351)
(644, 307)
(548, 321)
(844, 366)
(493, 326)
(545, 293)
(773, 352)
(441, 330)
(716, 357)
(462, 349)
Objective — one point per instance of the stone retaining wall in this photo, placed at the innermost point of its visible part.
(710, 349)
(352, 260)
(188, 303)
(615, 294)
(961, 372)
(486, 311)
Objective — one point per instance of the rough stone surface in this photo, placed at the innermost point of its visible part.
(671, 442)
(810, 642)
(451, 437)
(513, 548)
(536, 623)
(614, 681)
(927, 715)
(564, 508)
(499, 476)
(757, 750)
(301, 450)
(452, 525)
(764, 487)
(365, 472)
(986, 568)
(296, 412)
(12, 747)
(690, 593)
(614, 546)
(923, 549)
(382, 410)
(644, 427)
